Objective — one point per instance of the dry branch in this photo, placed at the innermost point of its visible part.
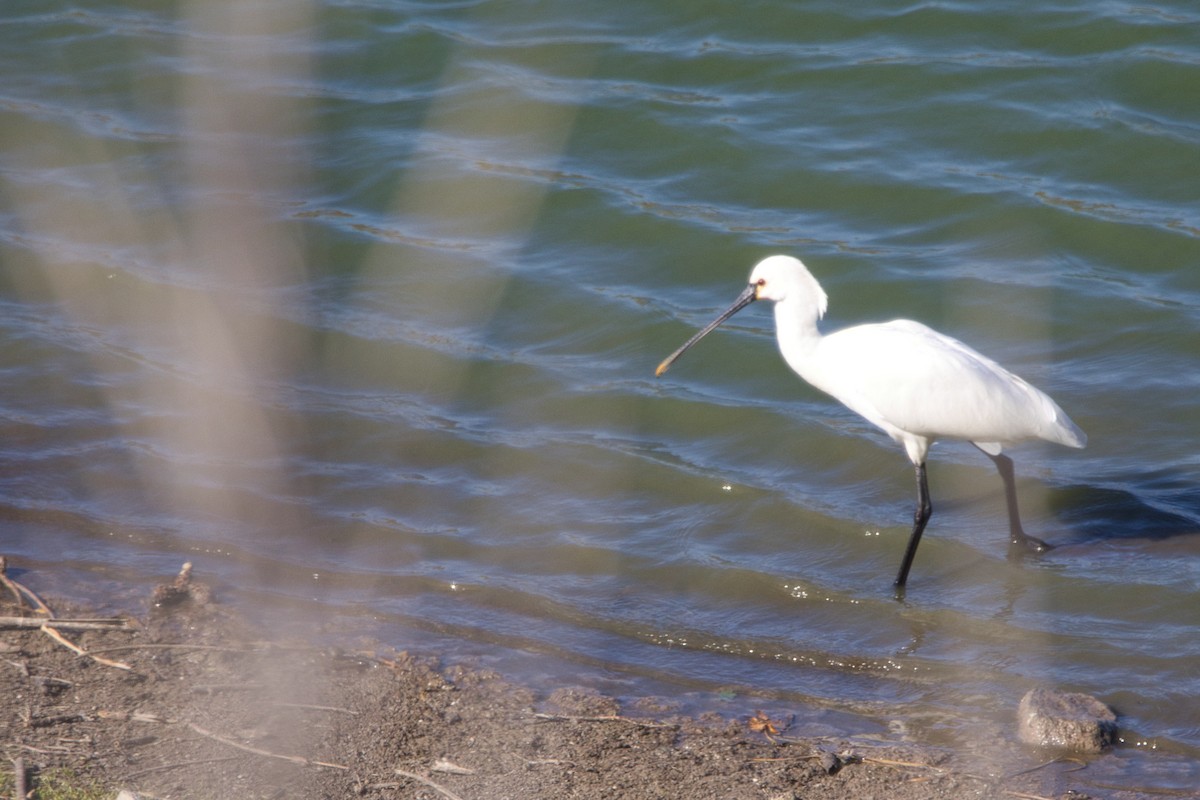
(179, 765)
(311, 707)
(20, 591)
(422, 779)
(19, 790)
(7, 582)
(605, 718)
(171, 646)
(57, 719)
(267, 753)
(67, 643)
(100, 624)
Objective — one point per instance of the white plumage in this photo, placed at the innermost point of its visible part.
(914, 383)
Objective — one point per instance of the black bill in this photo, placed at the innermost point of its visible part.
(747, 297)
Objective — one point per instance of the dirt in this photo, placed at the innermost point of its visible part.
(210, 708)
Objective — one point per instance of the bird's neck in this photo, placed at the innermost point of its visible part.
(797, 333)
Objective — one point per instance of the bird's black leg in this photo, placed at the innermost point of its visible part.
(920, 517)
(1017, 534)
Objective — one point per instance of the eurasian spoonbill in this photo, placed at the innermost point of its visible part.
(916, 384)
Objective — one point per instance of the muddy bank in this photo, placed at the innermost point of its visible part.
(191, 702)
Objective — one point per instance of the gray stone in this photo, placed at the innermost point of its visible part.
(1068, 721)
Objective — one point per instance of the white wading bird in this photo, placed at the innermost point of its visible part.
(916, 384)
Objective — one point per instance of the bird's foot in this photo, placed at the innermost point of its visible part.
(1029, 544)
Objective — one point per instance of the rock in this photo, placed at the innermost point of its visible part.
(830, 762)
(182, 589)
(1069, 721)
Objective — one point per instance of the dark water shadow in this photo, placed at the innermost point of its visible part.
(1161, 507)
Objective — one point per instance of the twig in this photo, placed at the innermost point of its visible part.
(51, 684)
(442, 765)
(136, 716)
(19, 790)
(293, 759)
(20, 666)
(108, 624)
(8, 584)
(422, 779)
(1187, 794)
(317, 708)
(65, 642)
(45, 751)
(889, 763)
(170, 646)
(605, 718)
(39, 606)
(57, 719)
(18, 590)
(164, 767)
(1043, 765)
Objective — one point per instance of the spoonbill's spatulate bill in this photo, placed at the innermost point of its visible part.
(916, 384)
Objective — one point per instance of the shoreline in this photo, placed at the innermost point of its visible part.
(191, 701)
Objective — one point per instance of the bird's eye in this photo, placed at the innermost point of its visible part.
(762, 281)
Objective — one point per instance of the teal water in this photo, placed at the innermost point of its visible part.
(357, 306)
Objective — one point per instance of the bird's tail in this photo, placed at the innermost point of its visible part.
(1063, 431)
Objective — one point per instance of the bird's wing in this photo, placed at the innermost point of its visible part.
(905, 376)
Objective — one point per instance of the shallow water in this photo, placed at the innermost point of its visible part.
(357, 306)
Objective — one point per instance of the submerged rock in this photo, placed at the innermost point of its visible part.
(1066, 720)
